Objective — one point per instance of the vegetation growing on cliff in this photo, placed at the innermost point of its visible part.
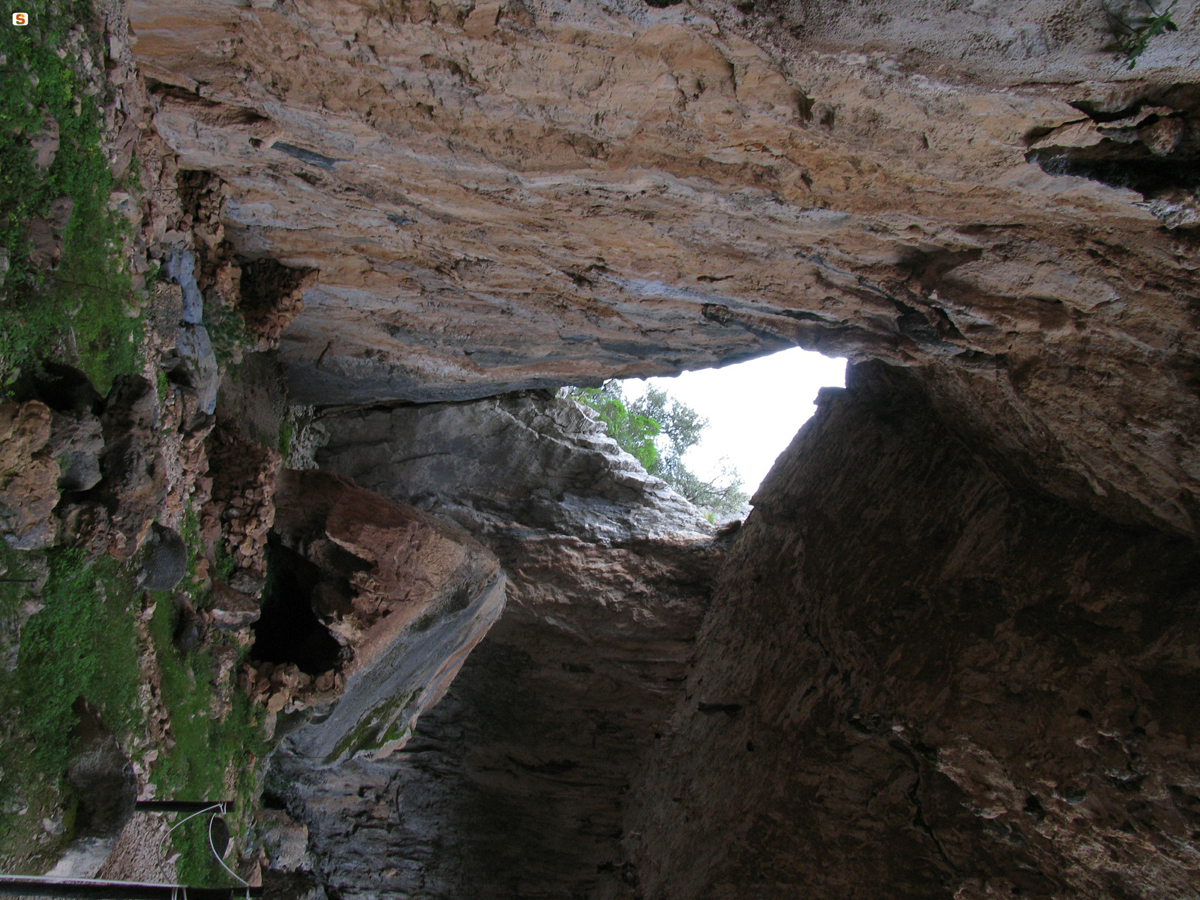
(216, 741)
(85, 640)
(65, 291)
(657, 430)
(1133, 37)
(80, 643)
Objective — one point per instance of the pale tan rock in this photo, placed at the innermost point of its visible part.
(533, 194)
(28, 476)
(406, 595)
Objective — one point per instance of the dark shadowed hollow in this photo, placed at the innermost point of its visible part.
(288, 631)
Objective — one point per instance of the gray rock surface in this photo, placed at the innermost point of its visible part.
(406, 595)
(515, 784)
(76, 441)
(284, 840)
(381, 703)
(923, 677)
(951, 654)
(180, 267)
(520, 195)
(531, 460)
(194, 366)
(164, 559)
(103, 779)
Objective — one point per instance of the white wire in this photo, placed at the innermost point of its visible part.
(213, 847)
(216, 806)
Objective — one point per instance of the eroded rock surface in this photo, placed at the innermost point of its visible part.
(937, 683)
(516, 783)
(950, 653)
(533, 460)
(407, 596)
(28, 476)
(507, 195)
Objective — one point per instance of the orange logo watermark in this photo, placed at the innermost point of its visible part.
(20, 18)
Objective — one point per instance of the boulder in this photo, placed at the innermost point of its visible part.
(76, 441)
(180, 267)
(164, 560)
(193, 366)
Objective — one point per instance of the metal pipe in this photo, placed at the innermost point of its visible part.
(31, 886)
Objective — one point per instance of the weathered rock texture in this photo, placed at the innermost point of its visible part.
(951, 653)
(940, 683)
(531, 461)
(919, 677)
(407, 596)
(28, 476)
(500, 195)
(515, 785)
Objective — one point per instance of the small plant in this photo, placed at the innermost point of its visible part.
(224, 565)
(227, 331)
(1134, 37)
(287, 431)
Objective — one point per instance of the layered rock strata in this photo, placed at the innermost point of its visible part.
(949, 654)
(503, 195)
(516, 784)
(919, 675)
(399, 597)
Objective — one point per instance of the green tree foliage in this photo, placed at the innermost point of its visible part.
(633, 431)
(658, 430)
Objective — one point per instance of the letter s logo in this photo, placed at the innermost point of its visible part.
(20, 18)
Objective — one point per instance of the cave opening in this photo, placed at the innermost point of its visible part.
(288, 631)
(753, 410)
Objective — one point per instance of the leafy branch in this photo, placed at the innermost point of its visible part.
(1133, 38)
(658, 430)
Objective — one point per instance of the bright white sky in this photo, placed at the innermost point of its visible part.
(754, 409)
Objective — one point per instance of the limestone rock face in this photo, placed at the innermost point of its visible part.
(515, 784)
(950, 654)
(919, 676)
(937, 682)
(406, 595)
(532, 460)
(507, 195)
